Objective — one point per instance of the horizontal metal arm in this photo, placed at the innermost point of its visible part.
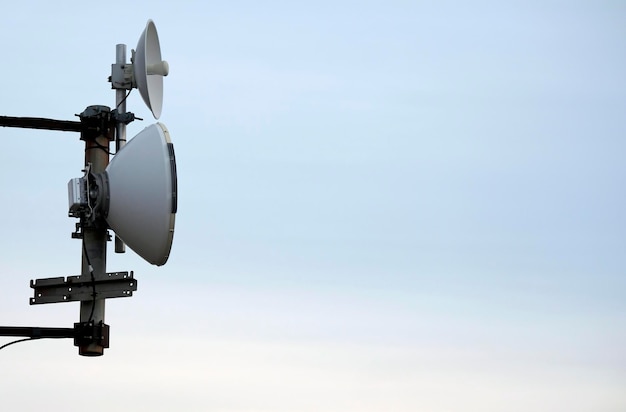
(37, 332)
(83, 333)
(40, 123)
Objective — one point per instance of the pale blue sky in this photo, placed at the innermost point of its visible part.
(383, 206)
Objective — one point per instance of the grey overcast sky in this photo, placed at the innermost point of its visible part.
(383, 206)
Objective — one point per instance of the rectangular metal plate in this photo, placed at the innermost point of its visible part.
(81, 288)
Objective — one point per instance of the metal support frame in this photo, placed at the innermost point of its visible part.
(80, 288)
(97, 127)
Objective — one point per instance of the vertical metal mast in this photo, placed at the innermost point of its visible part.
(97, 135)
(120, 100)
(120, 127)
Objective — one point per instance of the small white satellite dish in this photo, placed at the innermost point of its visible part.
(149, 69)
(142, 194)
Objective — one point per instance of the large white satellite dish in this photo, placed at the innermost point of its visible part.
(149, 69)
(142, 194)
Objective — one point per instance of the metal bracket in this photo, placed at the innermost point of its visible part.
(121, 76)
(125, 118)
(82, 288)
(77, 233)
(96, 121)
(87, 332)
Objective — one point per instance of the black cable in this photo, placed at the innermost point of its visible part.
(99, 146)
(32, 338)
(124, 99)
(16, 341)
(93, 280)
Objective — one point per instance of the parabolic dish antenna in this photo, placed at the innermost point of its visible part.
(149, 69)
(142, 194)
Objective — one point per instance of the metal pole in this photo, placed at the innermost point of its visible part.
(40, 123)
(37, 332)
(120, 128)
(95, 235)
(120, 100)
